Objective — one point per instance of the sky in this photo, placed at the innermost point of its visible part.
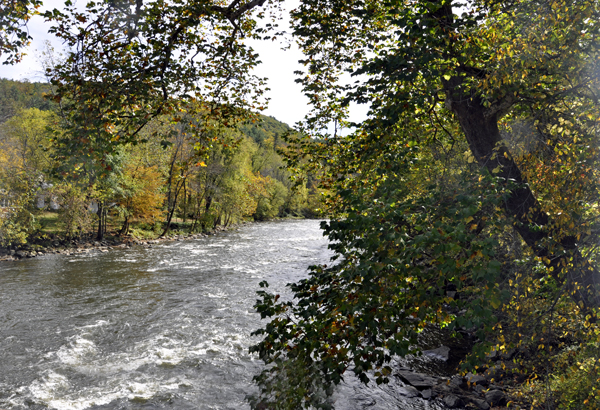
(287, 104)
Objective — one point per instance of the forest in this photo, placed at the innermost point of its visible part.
(165, 184)
(467, 201)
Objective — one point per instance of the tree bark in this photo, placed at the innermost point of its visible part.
(100, 213)
(480, 126)
(171, 209)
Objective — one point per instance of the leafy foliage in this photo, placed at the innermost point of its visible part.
(475, 173)
(14, 35)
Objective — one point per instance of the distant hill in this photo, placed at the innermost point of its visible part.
(15, 95)
(267, 128)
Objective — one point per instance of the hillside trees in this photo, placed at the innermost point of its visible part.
(482, 124)
(206, 181)
(129, 64)
(23, 164)
(16, 95)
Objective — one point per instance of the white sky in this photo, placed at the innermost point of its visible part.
(287, 104)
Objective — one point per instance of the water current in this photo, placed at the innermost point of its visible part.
(166, 327)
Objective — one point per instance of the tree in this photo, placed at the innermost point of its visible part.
(479, 67)
(129, 62)
(426, 192)
(14, 35)
(139, 194)
(26, 135)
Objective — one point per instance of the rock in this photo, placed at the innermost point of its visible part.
(495, 397)
(458, 382)
(452, 401)
(21, 254)
(493, 355)
(494, 372)
(418, 380)
(476, 379)
(440, 353)
(508, 354)
(408, 391)
(427, 394)
(481, 404)
(441, 389)
(479, 388)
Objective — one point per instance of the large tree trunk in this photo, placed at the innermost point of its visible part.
(480, 126)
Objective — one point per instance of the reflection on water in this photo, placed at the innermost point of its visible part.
(149, 328)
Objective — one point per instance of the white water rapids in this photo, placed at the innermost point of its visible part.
(165, 327)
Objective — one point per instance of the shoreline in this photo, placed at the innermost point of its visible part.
(62, 246)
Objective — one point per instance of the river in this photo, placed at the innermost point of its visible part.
(166, 327)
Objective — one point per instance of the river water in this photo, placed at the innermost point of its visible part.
(166, 327)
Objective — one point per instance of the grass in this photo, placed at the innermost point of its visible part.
(49, 223)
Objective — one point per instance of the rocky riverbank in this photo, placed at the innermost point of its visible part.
(485, 391)
(55, 245)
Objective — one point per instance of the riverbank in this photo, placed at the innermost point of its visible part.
(85, 244)
(482, 391)
(434, 376)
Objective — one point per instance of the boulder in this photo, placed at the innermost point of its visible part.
(457, 382)
(480, 404)
(452, 401)
(495, 397)
(427, 394)
(417, 380)
(476, 379)
(440, 353)
(479, 389)
(408, 391)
